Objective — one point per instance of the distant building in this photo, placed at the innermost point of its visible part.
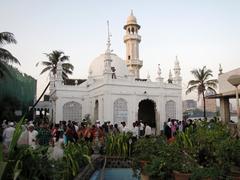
(189, 104)
(226, 92)
(211, 104)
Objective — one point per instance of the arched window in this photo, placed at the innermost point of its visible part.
(133, 30)
(120, 111)
(170, 109)
(72, 111)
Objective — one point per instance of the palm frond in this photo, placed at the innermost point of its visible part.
(7, 38)
(46, 63)
(211, 89)
(68, 66)
(64, 58)
(7, 57)
(45, 69)
(67, 71)
(207, 74)
(192, 88)
(4, 70)
(193, 82)
(196, 74)
(64, 75)
(211, 83)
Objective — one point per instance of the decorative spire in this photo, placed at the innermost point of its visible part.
(131, 12)
(220, 69)
(177, 63)
(170, 78)
(107, 61)
(177, 69)
(159, 72)
(109, 39)
(148, 76)
(170, 74)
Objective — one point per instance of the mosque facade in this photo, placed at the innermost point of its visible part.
(114, 91)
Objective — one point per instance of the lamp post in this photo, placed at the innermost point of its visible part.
(235, 81)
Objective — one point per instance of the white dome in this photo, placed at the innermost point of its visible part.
(97, 66)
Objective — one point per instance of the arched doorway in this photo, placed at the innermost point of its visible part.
(147, 112)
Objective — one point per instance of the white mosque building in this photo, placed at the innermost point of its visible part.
(114, 90)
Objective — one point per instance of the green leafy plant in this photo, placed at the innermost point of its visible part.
(5, 161)
(184, 152)
(76, 156)
(151, 157)
(200, 150)
(117, 145)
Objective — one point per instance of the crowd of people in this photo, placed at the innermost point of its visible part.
(45, 134)
(172, 126)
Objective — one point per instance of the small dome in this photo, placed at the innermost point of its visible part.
(131, 19)
(97, 66)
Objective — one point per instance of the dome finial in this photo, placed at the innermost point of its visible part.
(131, 12)
(109, 40)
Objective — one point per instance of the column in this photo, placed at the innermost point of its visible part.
(224, 110)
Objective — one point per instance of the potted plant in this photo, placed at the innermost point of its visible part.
(204, 149)
(229, 157)
(183, 155)
(235, 159)
(149, 157)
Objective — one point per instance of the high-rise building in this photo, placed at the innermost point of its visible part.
(189, 104)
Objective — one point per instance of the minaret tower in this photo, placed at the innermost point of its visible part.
(177, 72)
(132, 40)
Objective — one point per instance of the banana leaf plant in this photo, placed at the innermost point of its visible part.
(117, 145)
(3, 160)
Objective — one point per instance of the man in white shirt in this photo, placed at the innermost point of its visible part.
(148, 130)
(141, 128)
(32, 134)
(135, 133)
(124, 127)
(8, 134)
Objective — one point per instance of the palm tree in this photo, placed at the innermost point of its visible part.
(51, 65)
(202, 83)
(5, 56)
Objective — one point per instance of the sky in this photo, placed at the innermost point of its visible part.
(199, 32)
